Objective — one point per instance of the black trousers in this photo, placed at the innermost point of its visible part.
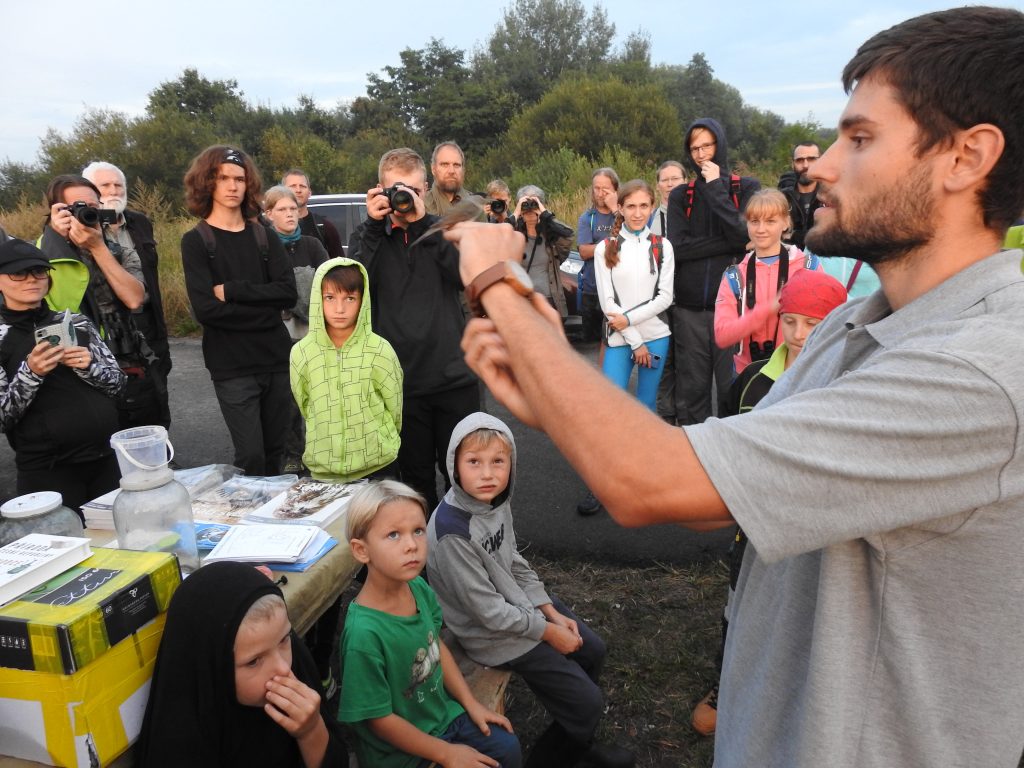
(567, 685)
(427, 425)
(76, 483)
(699, 365)
(592, 316)
(257, 410)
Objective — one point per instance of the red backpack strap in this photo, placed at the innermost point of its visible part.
(734, 188)
(656, 249)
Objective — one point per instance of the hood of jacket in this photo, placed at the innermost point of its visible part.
(317, 326)
(456, 496)
(721, 157)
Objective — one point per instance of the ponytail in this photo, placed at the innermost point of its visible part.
(611, 245)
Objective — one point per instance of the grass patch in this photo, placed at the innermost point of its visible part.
(662, 625)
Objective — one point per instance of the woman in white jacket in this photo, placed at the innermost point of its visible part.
(634, 284)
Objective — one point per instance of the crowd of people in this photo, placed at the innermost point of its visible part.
(872, 470)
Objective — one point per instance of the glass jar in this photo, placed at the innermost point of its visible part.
(40, 512)
(153, 513)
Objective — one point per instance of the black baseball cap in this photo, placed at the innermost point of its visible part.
(19, 256)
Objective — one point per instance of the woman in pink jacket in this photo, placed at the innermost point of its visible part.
(747, 308)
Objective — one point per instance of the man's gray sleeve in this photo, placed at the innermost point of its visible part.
(908, 439)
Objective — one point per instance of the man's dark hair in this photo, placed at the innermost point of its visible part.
(201, 180)
(803, 144)
(952, 70)
(346, 277)
(55, 189)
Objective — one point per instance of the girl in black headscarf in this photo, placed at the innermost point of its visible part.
(233, 685)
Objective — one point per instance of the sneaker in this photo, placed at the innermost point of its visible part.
(607, 756)
(330, 686)
(589, 505)
(705, 714)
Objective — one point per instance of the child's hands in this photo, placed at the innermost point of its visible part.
(461, 756)
(563, 621)
(617, 322)
(481, 716)
(562, 639)
(293, 705)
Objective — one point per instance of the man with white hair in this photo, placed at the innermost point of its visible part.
(133, 231)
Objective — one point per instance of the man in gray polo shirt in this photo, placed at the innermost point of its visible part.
(878, 617)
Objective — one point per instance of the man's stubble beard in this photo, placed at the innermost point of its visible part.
(883, 228)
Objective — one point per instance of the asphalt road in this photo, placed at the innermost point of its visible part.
(547, 488)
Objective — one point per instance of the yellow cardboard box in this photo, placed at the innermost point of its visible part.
(65, 624)
(83, 719)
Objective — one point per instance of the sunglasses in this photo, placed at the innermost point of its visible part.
(37, 273)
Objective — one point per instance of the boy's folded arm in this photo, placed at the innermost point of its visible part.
(403, 735)
(529, 581)
(459, 565)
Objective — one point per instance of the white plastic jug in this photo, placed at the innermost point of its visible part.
(153, 511)
(143, 454)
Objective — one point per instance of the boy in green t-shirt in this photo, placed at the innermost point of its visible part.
(401, 689)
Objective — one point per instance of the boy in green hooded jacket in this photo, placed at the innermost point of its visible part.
(346, 380)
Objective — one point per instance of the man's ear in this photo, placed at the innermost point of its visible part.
(359, 550)
(975, 152)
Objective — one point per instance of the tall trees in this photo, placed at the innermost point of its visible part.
(548, 93)
(587, 114)
(437, 95)
(539, 41)
(193, 95)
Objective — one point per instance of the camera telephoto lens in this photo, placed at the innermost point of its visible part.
(86, 214)
(498, 207)
(402, 201)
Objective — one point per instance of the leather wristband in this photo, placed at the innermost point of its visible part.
(509, 272)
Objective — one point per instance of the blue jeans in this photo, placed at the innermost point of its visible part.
(500, 745)
(618, 365)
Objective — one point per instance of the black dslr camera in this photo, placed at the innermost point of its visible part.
(91, 216)
(399, 198)
(498, 207)
(529, 204)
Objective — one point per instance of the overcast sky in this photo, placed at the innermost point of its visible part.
(66, 58)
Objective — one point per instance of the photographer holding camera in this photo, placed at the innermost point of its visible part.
(497, 198)
(548, 242)
(133, 231)
(415, 304)
(94, 274)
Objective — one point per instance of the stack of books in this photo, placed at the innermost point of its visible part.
(34, 559)
(233, 501)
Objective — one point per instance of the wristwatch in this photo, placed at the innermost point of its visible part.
(509, 272)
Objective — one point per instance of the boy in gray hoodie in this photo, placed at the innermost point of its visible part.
(497, 607)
